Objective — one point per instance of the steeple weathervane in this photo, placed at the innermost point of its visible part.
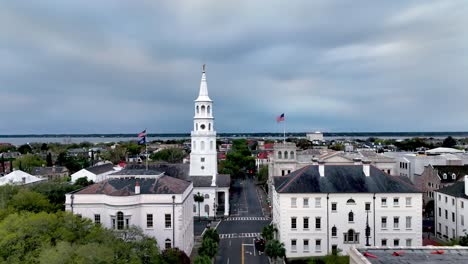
(204, 68)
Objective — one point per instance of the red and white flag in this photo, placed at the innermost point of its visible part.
(280, 118)
(142, 134)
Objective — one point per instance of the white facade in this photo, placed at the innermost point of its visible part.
(321, 240)
(451, 214)
(203, 157)
(316, 136)
(136, 210)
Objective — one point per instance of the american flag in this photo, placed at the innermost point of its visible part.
(142, 134)
(280, 118)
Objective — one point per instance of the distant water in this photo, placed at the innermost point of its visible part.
(103, 138)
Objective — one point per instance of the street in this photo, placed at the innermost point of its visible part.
(239, 230)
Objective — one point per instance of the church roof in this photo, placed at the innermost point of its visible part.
(203, 94)
(222, 180)
(19, 177)
(126, 186)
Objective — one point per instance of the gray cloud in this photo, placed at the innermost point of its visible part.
(118, 66)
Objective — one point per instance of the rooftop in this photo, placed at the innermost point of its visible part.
(341, 179)
(457, 190)
(413, 255)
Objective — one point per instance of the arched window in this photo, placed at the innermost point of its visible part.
(351, 236)
(208, 109)
(203, 145)
(351, 201)
(454, 176)
(211, 145)
(203, 109)
(445, 176)
(351, 217)
(286, 155)
(120, 220)
(168, 243)
(198, 109)
(209, 126)
(207, 209)
(207, 196)
(334, 231)
(279, 155)
(292, 155)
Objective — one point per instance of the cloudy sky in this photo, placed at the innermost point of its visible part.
(116, 66)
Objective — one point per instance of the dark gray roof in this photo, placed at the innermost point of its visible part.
(460, 172)
(49, 170)
(126, 186)
(419, 255)
(457, 190)
(222, 180)
(341, 179)
(134, 172)
(100, 169)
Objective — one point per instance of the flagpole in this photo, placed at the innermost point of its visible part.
(284, 132)
(146, 150)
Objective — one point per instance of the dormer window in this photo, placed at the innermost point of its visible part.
(444, 176)
(454, 176)
(351, 201)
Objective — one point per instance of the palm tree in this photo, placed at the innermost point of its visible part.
(268, 232)
(199, 198)
(275, 250)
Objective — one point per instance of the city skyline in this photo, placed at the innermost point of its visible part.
(108, 67)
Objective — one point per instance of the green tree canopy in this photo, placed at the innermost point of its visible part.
(26, 200)
(449, 142)
(275, 249)
(211, 233)
(27, 162)
(208, 248)
(24, 149)
(202, 259)
(171, 155)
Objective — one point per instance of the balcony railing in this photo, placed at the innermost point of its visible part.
(353, 239)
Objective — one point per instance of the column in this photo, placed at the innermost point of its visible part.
(226, 203)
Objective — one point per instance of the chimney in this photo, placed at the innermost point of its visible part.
(466, 185)
(315, 161)
(321, 167)
(137, 188)
(357, 161)
(366, 168)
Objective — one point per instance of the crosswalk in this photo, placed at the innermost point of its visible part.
(247, 218)
(238, 235)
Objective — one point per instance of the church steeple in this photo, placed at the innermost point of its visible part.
(203, 94)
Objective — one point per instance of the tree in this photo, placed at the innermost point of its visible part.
(26, 200)
(268, 232)
(449, 142)
(275, 250)
(44, 147)
(202, 259)
(175, 255)
(24, 149)
(198, 198)
(55, 192)
(208, 248)
(28, 162)
(262, 175)
(49, 160)
(83, 182)
(171, 155)
(114, 155)
(211, 233)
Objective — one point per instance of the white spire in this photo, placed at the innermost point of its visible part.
(203, 95)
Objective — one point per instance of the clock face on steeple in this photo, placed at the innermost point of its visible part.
(202, 127)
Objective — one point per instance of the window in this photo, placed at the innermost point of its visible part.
(384, 201)
(351, 237)
(318, 223)
(396, 242)
(384, 242)
(207, 209)
(318, 202)
(293, 222)
(211, 142)
(167, 220)
(305, 203)
(408, 201)
(334, 231)
(384, 222)
(440, 212)
(396, 201)
(396, 222)
(408, 222)
(453, 217)
(454, 176)
(293, 202)
(208, 109)
(293, 245)
(446, 214)
(333, 207)
(279, 155)
(318, 245)
(351, 217)
(168, 244)
(351, 201)
(113, 223)
(438, 197)
(292, 155)
(120, 221)
(97, 218)
(367, 207)
(453, 233)
(445, 176)
(453, 201)
(203, 109)
(202, 159)
(149, 220)
(462, 220)
(127, 222)
(446, 230)
(440, 227)
(306, 222)
(446, 199)
(207, 196)
(306, 245)
(462, 205)
(334, 249)
(285, 155)
(408, 242)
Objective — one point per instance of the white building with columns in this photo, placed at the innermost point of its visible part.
(159, 204)
(204, 159)
(321, 208)
(451, 212)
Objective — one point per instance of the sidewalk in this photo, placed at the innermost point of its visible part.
(263, 198)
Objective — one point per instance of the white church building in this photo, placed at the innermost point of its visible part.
(204, 159)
